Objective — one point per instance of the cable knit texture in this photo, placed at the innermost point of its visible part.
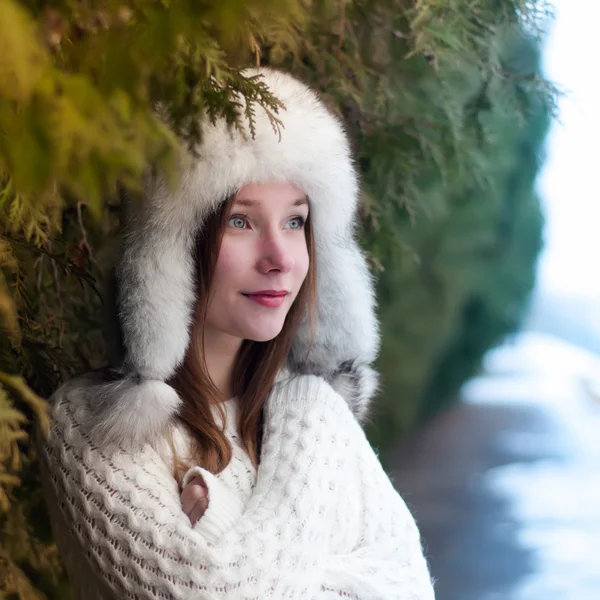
(319, 518)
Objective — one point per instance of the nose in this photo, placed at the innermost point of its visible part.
(275, 255)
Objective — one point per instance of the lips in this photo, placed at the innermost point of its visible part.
(268, 298)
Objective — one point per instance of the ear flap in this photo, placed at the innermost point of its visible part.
(346, 336)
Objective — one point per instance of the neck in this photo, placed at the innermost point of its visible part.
(220, 354)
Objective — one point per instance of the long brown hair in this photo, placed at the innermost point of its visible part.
(255, 370)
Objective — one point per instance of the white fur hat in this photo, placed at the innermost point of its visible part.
(155, 274)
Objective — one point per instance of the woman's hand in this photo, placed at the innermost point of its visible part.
(194, 499)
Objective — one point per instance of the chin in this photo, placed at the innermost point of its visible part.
(265, 334)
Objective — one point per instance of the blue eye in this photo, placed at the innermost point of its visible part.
(298, 221)
(238, 221)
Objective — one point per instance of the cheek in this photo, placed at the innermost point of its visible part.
(302, 263)
(231, 266)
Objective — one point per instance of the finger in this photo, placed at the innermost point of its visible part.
(198, 480)
(198, 510)
(191, 495)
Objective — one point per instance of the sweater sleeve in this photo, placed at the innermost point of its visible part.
(224, 506)
(388, 562)
(122, 525)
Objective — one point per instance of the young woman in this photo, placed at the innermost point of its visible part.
(221, 456)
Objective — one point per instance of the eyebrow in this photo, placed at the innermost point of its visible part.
(249, 202)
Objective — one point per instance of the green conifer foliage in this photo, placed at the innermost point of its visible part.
(474, 248)
(441, 120)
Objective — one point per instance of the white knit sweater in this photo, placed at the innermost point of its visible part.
(318, 520)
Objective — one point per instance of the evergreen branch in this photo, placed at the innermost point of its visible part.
(84, 237)
(14, 582)
(37, 404)
(67, 265)
(60, 302)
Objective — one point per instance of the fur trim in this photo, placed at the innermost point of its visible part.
(125, 411)
(357, 384)
(155, 279)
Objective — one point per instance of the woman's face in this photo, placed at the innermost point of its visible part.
(262, 262)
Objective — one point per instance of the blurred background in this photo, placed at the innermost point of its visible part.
(473, 123)
(505, 484)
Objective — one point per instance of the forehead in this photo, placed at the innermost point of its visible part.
(254, 203)
(270, 193)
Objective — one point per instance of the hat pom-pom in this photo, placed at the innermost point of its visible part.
(130, 412)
